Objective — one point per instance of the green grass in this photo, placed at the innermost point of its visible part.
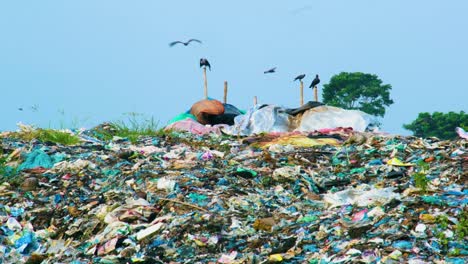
(134, 127)
(47, 135)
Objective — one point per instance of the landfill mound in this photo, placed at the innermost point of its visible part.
(329, 196)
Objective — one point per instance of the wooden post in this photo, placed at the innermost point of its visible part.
(315, 94)
(206, 83)
(225, 91)
(255, 100)
(302, 92)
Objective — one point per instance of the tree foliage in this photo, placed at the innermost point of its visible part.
(357, 90)
(441, 125)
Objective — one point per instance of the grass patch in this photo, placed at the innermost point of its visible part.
(134, 127)
(29, 133)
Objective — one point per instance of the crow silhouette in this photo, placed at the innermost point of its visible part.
(172, 44)
(272, 70)
(204, 63)
(299, 77)
(315, 81)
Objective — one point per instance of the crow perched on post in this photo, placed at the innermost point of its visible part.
(204, 63)
(272, 70)
(315, 81)
(299, 77)
(172, 44)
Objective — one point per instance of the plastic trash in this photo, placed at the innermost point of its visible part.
(461, 132)
(331, 117)
(185, 198)
(36, 158)
(365, 196)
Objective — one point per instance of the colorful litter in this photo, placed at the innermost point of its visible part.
(241, 193)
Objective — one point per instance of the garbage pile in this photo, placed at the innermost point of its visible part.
(227, 119)
(328, 196)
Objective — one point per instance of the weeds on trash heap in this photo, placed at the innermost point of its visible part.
(420, 178)
(29, 133)
(132, 129)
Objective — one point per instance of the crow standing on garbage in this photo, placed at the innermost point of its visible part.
(172, 44)
(272, 70)
(204, 63)
(299, 77)
(315, 81)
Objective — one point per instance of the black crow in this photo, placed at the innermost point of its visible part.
(20, 108)
(315, 81)
(172, 44)
(272, 70)
(299, 77)
(204, 63)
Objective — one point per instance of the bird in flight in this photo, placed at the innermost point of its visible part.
(315, 81)
(20, 108)
(299, 77)
(204, 63)
(172, 44)
(272, 70)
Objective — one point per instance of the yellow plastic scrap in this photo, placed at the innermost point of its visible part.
(397, 162)
(275, 258)
(199, 243)
(265, 224)
(302, 141)
(427, 218)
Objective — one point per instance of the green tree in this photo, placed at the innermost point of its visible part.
(357, 90)
(441, 125)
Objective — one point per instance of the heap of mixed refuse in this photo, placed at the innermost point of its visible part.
(333, 195)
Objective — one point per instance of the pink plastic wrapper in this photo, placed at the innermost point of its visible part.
(194, 127)
(461, 132)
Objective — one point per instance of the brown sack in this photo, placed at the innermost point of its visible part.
(206, 107)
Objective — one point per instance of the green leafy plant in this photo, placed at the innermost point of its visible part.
(7, 173)
(461, 229)
(2, 164)
(357, 90)
(437, 124)
(443, 240)
(443, 221)
(421, 181)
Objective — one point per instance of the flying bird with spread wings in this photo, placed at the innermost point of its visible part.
(315, 81)
(172, 44)
(272, 70)
(204, 63)
(299, 77)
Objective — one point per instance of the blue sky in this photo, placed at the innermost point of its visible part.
(85, 62)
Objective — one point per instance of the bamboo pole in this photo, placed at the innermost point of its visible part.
(302, 92)
(255, 100)
(225, 91)
(315, 94)
(205, 83)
